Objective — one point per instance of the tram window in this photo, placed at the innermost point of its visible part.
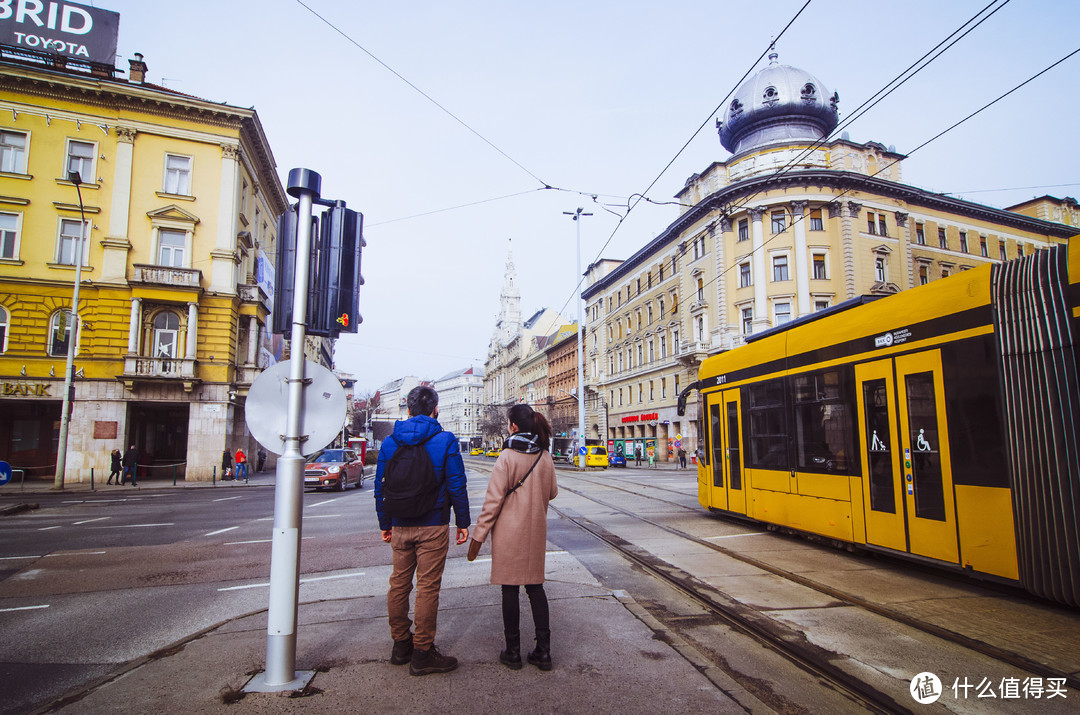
(733, 445)
(925, 446)
(716, 447)
(976, 437)
(823, 423)
(767, 430)
(879, 451)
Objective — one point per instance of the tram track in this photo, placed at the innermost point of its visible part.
(734, 610)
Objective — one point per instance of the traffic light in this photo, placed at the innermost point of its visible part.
(285, 270)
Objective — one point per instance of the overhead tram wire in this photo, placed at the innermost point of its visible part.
(630, 206)
(920, 146)
(889, 87)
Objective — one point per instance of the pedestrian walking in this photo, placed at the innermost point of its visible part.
(262, 459)
(637, 457)
(226, 465)
(130, 463)
(682, 458)
(515, 515)
(115, 467)
(241, 464)
(419, 476)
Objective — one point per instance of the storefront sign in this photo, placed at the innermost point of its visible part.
(65, 28)
(25, 389)
(647, 417)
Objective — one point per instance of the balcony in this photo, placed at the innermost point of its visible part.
(139, 369)
(166, 276)
(254, 294)
(691, 354)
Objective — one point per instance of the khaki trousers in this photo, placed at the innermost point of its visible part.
(419, 550)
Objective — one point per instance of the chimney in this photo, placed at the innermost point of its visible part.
(138, 68)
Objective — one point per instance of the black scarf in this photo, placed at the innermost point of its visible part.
(525, 442)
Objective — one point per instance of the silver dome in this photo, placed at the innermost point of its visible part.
(779, 104)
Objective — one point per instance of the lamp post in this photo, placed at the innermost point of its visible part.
(69, 368)
(576, 216)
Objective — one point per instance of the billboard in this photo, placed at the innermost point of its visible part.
(64, 28)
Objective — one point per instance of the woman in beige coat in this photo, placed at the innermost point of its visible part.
(515, 514)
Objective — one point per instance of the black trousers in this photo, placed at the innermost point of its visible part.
(511, 609)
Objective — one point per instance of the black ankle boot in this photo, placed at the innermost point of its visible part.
(541, 657)
(511, 656)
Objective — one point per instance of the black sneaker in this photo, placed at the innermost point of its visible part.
(431, 660)
(402, 652)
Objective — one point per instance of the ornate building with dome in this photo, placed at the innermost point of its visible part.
(792, 223)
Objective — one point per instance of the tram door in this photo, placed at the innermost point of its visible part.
(907, 489)
(725, 432)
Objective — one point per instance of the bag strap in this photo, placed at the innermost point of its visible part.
(522, 480)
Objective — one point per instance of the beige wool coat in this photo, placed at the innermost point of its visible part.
(517, 523)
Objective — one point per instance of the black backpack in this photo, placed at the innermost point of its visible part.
(409, 485)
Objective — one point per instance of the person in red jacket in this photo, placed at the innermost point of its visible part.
(241, 464)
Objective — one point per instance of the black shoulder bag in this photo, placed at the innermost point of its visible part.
(522, 480)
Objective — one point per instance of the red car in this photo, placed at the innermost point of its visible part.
(334, 469)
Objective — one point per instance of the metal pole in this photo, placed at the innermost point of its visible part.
(580, 340)
(69, 367)
(288, 494)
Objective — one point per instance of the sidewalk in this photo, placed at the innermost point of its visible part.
(609, 656)
(45, 486)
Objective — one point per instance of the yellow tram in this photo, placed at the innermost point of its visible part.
(940, 424)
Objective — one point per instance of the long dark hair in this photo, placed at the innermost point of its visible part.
(529, 420)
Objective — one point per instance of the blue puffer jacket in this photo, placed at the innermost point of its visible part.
(445, 455)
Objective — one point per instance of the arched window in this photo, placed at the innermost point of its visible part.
(166, 334)
(60, 332)
(3, 330)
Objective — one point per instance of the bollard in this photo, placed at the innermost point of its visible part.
(213, 479)
(91, 479)
(174, 475)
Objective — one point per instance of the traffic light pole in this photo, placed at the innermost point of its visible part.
(280, 673)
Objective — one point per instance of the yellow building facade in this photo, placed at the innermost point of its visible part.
(791, 224)
(180, 197)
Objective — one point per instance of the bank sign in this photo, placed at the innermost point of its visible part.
(63, 28)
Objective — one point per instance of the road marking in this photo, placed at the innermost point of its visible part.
(303, 580)
(221, 531)
(128, 526)
(49, 527)
(10, 558)
(323, 516)
(228, 498)
(100, 518)
(260, 541)
(76, 553)
(323, 502)
(735, 536)
(23, 608)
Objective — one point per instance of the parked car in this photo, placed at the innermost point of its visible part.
(617, 460)
(476, 452)
(493, 452)
(334, 469)
(595, 456)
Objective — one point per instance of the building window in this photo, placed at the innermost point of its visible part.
(674, 303)
(178, 175)
(920, 234)
(701, 289)
(924, 275)
(882, 229)
(661, 273)
(779, 222)
(675, 341)
(747, 320)
(697, 250)
(80, 159)
(674, 265)
(652, 351)
(963, 242)
(9, 236)
(663, 346)
(943, 242)
(639, 319)
(871, 227)
(782, 312)
(661, 301)
(676, 384)
(640, 392)
(13, 152)
(640, 355)
(60, 332)
(166, 334)
(3, 330)
(779, 268)
(652, 392)
(744, 229)
(820, 305)
(984, 250)
(1019, 251)
(701, 329)
(648, 312)
(944, 272)
(648, 280)
(71, 233)
(171, 247)
(663, 388)
(821, 271)
(745, 279)
(881, 269)
(816, 224)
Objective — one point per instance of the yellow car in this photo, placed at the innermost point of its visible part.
(493, 452)
(476, 452)
(595, 456)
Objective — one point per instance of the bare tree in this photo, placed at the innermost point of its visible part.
(493, 424)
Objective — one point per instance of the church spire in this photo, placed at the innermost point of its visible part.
(509, 321)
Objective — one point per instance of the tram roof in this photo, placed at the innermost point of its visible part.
(803, 320)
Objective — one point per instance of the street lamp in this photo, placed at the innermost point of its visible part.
(576, 216)
(69, 368)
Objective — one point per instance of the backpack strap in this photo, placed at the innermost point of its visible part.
(522, 480)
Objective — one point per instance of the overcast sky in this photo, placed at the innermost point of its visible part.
(589, 97)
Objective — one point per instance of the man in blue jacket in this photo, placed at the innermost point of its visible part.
(420, 544)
